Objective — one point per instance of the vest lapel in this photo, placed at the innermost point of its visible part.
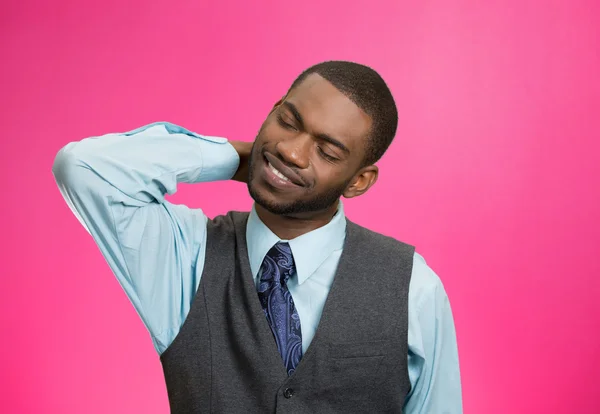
(320, 339)
(270, 351)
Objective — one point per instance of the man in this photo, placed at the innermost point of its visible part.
(291, 307)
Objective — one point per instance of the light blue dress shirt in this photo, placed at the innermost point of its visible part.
(116, 184)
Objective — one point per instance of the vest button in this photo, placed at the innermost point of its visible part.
(288, 393)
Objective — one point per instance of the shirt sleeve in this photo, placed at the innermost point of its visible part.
(433, 352)
(115, 184)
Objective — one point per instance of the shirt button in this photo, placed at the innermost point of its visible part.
(288, 393)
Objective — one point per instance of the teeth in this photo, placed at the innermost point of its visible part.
(278, 173)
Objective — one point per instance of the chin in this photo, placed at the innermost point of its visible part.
(296, 207)
(269, 201)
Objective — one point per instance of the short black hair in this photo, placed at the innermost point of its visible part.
(367, 89)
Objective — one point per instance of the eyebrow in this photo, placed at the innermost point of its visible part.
(325, 137)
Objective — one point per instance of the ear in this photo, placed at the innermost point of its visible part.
(362, 181)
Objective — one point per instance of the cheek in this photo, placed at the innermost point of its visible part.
(270, 124)
(328, 176)
(268, 134)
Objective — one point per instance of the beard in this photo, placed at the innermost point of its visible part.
(312, 203)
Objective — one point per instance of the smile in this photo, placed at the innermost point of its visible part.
(277, 172)
(283, 180)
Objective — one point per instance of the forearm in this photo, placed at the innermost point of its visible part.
(147, 163)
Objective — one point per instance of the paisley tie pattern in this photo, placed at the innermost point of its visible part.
(278, 304)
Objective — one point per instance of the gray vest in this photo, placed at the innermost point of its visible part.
(225, 360)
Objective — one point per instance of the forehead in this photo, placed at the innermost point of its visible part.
(325, 109)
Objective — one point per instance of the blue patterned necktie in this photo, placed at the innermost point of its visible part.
(278, 304)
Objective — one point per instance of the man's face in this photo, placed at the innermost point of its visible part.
(308, 150)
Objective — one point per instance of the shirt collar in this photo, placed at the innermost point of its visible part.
(310, 249)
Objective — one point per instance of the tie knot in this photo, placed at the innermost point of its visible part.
(279, 261)
(281, 248)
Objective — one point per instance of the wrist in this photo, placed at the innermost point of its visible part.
(243, 149)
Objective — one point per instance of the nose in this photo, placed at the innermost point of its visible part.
(296, 150)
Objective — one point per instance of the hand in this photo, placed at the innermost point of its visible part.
(243, 149)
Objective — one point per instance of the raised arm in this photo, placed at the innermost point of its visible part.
(116, 183)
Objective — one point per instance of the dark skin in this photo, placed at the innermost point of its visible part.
(321, 135)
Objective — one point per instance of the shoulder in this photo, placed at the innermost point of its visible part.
(381, 242)
(228, 220)
(425, 284)
(225, 226)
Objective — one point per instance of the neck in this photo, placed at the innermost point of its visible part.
(288, 227)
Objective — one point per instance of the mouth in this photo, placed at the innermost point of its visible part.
(280, 175)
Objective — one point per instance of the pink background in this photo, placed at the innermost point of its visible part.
(494, 175)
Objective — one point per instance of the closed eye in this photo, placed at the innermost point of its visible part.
(325, 155)
(320, 150)
(284, 124)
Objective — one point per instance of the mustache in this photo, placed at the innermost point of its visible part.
(258, 153)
